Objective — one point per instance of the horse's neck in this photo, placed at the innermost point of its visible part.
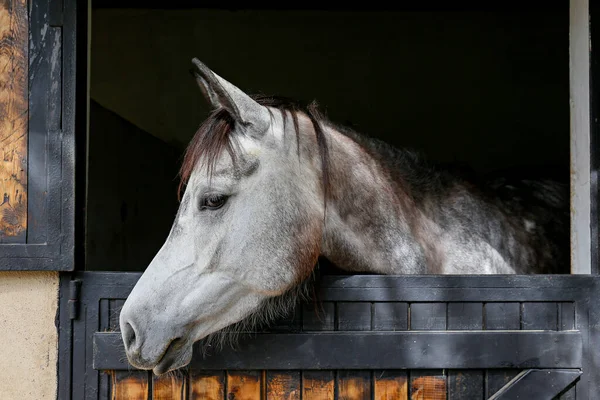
(371, 224)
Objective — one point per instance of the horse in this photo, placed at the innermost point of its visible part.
(270, 185)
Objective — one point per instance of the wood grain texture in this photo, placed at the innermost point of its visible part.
(13, 120)
(354, 385)
(244, 385)
(427, 385)
(207, 385)
(318, 385)
(283, 385)
(169, 387)
(128, 385)
(390, 385)
(465, 384)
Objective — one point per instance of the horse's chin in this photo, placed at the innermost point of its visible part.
(174, 358)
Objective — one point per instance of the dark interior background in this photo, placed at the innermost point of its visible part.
(486, 88)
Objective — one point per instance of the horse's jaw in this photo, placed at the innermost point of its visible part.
(159, 335)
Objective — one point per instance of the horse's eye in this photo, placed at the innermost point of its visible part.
(213, 202)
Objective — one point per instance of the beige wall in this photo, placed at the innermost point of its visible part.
(28, 335)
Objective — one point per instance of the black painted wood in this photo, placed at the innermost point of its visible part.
(539, 316)
(383, 350)
(318, 317)
(465, 316)
(51, 136)
(465, 384)
(390, 316)
(537, 384)
(500, 316)
(353, 316)
(427, 316)
(576, 306)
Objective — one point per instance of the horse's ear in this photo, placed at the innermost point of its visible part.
(222, 94)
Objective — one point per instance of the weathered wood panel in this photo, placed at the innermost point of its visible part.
(318, 385)
(244, 385)
(207, 385)
(428, 385)
(390, 385)
(13, 120)
(465, 384)
(169, 387)
(283, 385)
(354, 385)
(130, 385)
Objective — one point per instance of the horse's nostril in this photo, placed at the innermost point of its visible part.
(129, 336)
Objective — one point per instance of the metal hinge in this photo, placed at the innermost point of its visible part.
(74, 294)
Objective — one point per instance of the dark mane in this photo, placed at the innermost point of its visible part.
(214, 136)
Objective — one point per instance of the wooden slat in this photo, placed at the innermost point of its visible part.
(465, 316)
(465, 384)
(542, 316)
(354, 316)
(207, 385)
(390, 316)
(115, 311)
(502, 316)
(368, 350)
(14, 83)
(390, 385)
(497, 379)
(566, 316)
(318, 317)
(428, 316)
(169, 387)
(354, 385)
(427, 385)
(537, 384)
(244, 385)
(318, 385)
(283, 385)
(130, 385)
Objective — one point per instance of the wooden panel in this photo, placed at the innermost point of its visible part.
(244, 385)
(566, 316)
(354, 316)
(390, 385)
(368, 350)
(542, 316)
(497, 379)
(465, 316)
(500, 316)
(318, 317)
(115, 312)
(465, 384)
(570, 394)
(207, 385)
(390, 316)
(427, 385)
(354, 385)
(537, 384)
(130, 385)
(318, 385)
(170, 387)
(428, 316)
(14, 36)
(283, 385)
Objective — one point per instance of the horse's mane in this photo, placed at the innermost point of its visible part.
(409, 168)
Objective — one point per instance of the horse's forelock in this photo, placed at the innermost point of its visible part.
(214, 136)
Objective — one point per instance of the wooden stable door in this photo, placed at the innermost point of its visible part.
(368, 337)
